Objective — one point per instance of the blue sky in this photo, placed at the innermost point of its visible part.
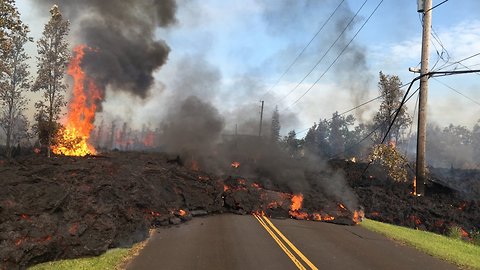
(238, 49)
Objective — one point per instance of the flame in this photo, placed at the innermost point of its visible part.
(241, 181)
(414, 192)
(73, 140)
(358, 216)
(182, 212)
(342, 206)
(235, 164)
(225, 188)
(392, 144)
(297, 201)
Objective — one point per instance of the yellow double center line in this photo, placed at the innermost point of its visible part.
(293, 252)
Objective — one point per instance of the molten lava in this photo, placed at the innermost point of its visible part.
(73, 139)
(235, 164)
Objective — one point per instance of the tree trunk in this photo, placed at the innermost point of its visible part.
(9, 143)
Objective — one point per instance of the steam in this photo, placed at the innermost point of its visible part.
(123, 34)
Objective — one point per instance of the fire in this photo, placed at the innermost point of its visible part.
(342, 206)
(182, 212)
(414, 192)
(297, 201)
(235, 164)
(358, 216)
(73, 140)
(225, 188)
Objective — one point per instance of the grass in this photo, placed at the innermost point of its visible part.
(452, 250)
(113, 259)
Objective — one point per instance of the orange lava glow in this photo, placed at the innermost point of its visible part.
(358, 216)
(73, 140)
(297, 201)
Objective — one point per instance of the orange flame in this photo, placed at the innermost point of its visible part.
(358, 216)
(182, 212)
(73, 140)
(297, 201)
(235, 164)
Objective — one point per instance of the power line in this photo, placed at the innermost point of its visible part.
(340, 54)
(437, 5)
(303, 50)
(379, 125)
(325, 54)
(456, 91)
(459, 61)
(354, 108)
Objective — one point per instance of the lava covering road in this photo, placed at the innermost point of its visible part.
(67, 207)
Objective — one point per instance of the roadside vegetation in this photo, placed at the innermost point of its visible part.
(114, 259)
(451, 249)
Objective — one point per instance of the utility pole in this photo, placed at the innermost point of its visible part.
(422, 96)
(261, 121)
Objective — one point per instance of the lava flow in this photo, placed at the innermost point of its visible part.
(72, 140)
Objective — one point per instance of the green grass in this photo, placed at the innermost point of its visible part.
(110, 260)
(453, 250)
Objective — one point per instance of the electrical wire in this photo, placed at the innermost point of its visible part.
(456, 91)
(340, 54)
(325, 54)
(303, 50)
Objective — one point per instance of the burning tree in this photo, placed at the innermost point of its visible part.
(53, 58)
(72, 140)
(14, 75)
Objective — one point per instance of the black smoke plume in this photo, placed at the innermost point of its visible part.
(123, 34)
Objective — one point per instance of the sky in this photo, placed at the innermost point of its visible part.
(233, 54)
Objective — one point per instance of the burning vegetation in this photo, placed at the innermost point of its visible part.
(73, 138)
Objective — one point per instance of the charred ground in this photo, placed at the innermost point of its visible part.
(68, 207)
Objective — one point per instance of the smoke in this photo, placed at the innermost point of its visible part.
(123, 34)
(352, 69)
(194, 127)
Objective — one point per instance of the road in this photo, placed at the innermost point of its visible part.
(250, 242)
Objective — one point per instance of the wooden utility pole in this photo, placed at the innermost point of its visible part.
(423, 94)
(261, 120)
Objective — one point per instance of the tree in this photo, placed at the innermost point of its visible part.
(292, 144)
(14, 78)
(389, 88)
(9, 23)
(275, 127)
(310, 145)
(339, 132)
(53, 58)
(322, 134)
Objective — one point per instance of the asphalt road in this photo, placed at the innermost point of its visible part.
(249, 242)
